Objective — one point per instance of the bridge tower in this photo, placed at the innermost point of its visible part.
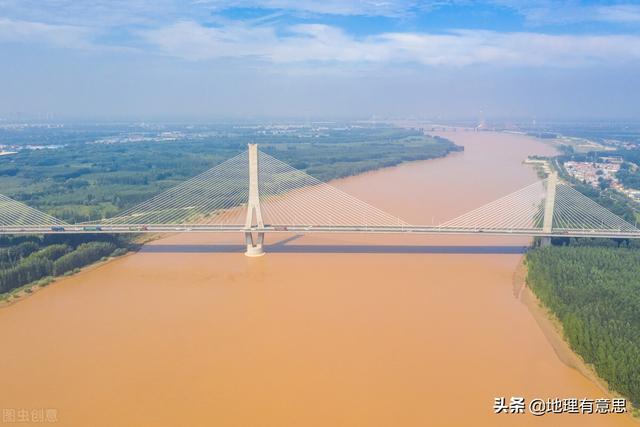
(254, 242)
(549, 205)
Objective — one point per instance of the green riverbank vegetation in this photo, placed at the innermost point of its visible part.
(36, 260)
(87, 173)
(594, 291)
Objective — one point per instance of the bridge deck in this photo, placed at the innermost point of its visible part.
(198, 228)
(256, 188)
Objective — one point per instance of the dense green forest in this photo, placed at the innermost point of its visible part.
(595, 293)
(92, 180)
(629, 175)
(593, 285)
(29, 259)
(82, 173)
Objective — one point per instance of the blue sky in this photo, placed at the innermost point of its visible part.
(280, 58)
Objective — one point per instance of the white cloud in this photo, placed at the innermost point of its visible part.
(559, 12)
(334, 7)
(175, 28)
(538, 11)
(113, 13)
(95, 13)
(57, 35)
(622, 13)
(192, 41)
(322, 43)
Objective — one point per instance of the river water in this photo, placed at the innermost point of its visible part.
(322, 331)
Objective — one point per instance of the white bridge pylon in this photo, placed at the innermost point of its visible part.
(253, 190)
(254, 193)
(550, 206)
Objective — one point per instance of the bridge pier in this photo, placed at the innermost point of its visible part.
(549, 206)
(254, 246)
(550, 202)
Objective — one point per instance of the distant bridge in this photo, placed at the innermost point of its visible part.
(254, 193)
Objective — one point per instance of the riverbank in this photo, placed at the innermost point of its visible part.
(552, 329)
(20, 272)
(24, 291)
(317, 333)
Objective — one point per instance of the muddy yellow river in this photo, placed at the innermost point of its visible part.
(322, 331)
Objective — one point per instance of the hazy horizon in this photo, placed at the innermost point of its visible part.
(276, 59)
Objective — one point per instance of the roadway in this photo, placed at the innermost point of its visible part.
(303, 229)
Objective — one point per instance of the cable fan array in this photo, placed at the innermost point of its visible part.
(575, 211)
(17, 214)
(524, 210)
(216, 196)
(289, 196)
(521, 210)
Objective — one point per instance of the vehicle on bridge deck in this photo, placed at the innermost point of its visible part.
(280, 228)
(91, 228)
(57, 228)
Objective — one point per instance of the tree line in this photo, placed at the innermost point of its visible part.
(595, 293)
(29, 261)
(94, 181)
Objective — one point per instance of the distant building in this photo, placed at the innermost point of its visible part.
(612, 159)
(591, 173)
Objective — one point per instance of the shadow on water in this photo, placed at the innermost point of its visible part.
(338, 249)
(283, 247)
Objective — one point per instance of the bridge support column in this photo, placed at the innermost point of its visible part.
(550, 202)
(549, 205)
(254, 246)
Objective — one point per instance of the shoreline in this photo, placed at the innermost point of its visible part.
(546, 320)
(269, 334)
(551, 327)
(25, 291)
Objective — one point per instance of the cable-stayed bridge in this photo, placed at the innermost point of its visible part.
(254, 193)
